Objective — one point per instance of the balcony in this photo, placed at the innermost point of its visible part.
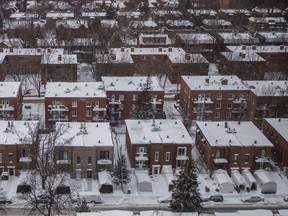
(220, 161)
(263, 107)
(113, 101)
(98, 119)
(24, 159)
(237, 110)
(57, 108)
(99, 109)
(198, 110)
(6, 107)
(63, 162)
(181, 157)
(60, 119)
(104, 162)
(203, 101)
(239, 101)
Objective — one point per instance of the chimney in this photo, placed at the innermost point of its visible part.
(281, 47)
(132, 49)
(279, 120)
(1, 49)
(188, 56)
(38, 49)
(243, 47)
(122, 49)
(224, 82)
(169, 49)
(59, 57)
(254, 47)
(207, 80)
(113, 57)
(49, 50)
(243, 55)
(160, 49)
(11, 49)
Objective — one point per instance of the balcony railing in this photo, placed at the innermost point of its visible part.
(24, 159)
(203, 101)
(61, 119)
(201, 110)
(63, 162)
(99, 109)
(57, 108)
(6, 108)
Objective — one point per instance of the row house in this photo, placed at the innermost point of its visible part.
(70, 101)
(179, 26)
(15, 154)
(213, 98)
(268, 99)
(53, 16)
(258, 24)
(275, 57)
(71, 28)
(52, 64)
(227, 38)
(122, 94)
(90, 150)
(171, 62)
(273, 38)
(216, 25)
(232, 145)
(275, 129)
(151, 144)
(238, 17)
(154, 40)
(10, 100)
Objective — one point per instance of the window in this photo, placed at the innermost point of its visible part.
(219, 96)
(217, 114)
(229, 106)
(89, 173)
(181, 151)
(246, 158)
(78, 160)
(220, 153)
(135, 97)
(121, 97)
(0, 157)
(63, 155)
(88, 103)
(113, 97)
(10, 156)
(218, 105)
(228, 115)
(25, 152)
(74, 113)
(230, 96)
(96, 103)
(104, 154)
(89, 160)
(235, 158)
(260, 153)
(74, 103)
(156, 156)
(167, 156)
(88, 113)
(141, 150)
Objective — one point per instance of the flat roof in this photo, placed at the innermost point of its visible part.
(245, 134)
(268, 87)
(163, 131)
(280, 125)
(9, 89)
(75, 90)
(215, 83)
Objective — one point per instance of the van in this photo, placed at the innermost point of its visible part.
(90, 196)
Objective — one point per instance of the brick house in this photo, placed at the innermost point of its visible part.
(268, 99)
(232, 145)
(275, 129)
(90, 151)
(122, 93)
(14, 153)
(10, 100)
(152, 144)
(171, 62)
(83, 102)
(213, 98)
(258, 24)
(52, 64)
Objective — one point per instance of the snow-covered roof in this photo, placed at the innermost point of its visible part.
(15, 132)
(166, 213)
(268, 87)
(167, 13)
(238, 178)
(280, 125)
(56, 58)
(267, 10)
(268, 20)
(249, 177)
(142, 176)
(263, 176)
(256, 212)
(274, 36)
(197, 38)
(214, 83)
(163, 131)
(21, 24)
(11, 42)
(145, 24)
(176, 55)
(175, 23)
(22, 15)
(235, 11)
(154, 39)
(9, 89)
(199, 12)
(238, 38)
(245, 134)
(93, 14)
(222, 177)
(107, 213)
(243, 56)
(134, 14)
(74, 90)
(72, 24)
(259, 48)
(60, 14)
(129, 83)
(89, 134)
(216, 22)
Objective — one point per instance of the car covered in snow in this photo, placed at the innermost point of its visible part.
(253, 199)
(214, 198)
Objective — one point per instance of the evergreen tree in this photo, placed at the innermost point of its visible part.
(185, 193)
(82, 206)
(110, 13)
(144, 108)
(121, 174)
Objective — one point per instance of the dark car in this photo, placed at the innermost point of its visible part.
(215, 198)
(253, 199)
(4, 200)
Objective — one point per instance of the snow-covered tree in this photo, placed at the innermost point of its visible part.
(120, 173)
(111, 13)
(144, 108)
(82, 206)
(185, 192)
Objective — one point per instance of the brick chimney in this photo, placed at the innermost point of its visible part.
(224, 82)
(188, 56)
(59, 57)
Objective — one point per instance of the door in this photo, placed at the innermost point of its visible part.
(78, 174)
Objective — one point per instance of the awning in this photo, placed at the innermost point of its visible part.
(262, 160)
(141, 158)
(220, 160)
(25, 159)
(181, 157)
(104, 162)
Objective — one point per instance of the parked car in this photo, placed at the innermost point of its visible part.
(4, 200)
(215, 198)
(253, 199)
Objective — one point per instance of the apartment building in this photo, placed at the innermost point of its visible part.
(122, 94)
(154, 143)
(275, 129)
(232, 145)
(258, 24)
(90, 150)
(213, 98)
(15, 154)
(74, 101)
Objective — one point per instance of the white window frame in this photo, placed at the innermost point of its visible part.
(88, 113)
(74, 113)
(121, 97)
(180, 149)
(219, 96)
(235, 158)
(157, 156)
(218, 107)
(88, 103)
(229, 106)
(10, 154)
(167, 156)
(217, 114)
(1, 157)
(74, 104)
